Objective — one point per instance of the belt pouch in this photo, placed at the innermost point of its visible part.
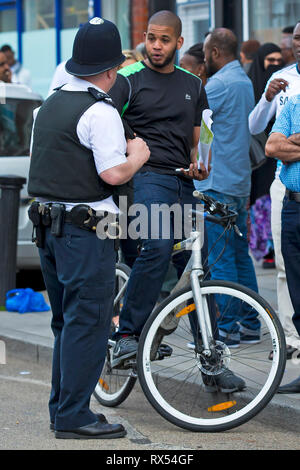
(57, 219)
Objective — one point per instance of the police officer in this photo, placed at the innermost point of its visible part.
(78, 156)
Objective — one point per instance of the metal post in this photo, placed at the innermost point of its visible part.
(20, 27)
(58, 26)
(10, 187)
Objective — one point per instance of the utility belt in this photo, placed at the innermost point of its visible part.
(54, 215)
(292, 196)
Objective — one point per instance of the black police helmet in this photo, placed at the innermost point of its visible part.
(96, 48)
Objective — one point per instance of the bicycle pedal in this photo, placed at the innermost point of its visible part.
(130, 364)
(124, 364)
(163, 351)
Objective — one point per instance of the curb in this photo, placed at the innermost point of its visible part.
(25, 349)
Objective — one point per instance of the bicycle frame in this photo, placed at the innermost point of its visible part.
(192, 274)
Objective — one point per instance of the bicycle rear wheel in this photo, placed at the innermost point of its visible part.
(177, 387)
(114, 385)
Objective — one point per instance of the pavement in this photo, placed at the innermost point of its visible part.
(30, 335)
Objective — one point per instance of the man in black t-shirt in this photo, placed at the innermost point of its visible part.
(165, 109)
(163, 104)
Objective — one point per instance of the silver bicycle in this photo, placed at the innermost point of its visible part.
(180, 355)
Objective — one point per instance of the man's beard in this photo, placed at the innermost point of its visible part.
(168, 60)
(211, 69)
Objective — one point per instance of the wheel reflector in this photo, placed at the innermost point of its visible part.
(103, 384)
(186, 310)
(222, 406)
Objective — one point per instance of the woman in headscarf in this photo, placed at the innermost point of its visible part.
(268, 60)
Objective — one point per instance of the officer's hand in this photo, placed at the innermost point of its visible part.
(195, 173)
(275, 87)
(139, 149)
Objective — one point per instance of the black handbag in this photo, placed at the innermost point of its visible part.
(257, 150)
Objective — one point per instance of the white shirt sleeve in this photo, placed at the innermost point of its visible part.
(261, 115)
(100, 129)
(60, 77)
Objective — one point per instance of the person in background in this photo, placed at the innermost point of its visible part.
(267, 60)
(132, 56)
(284, 144)
(5, 71)
(20, 75)
(231, 98)
(141, 49)
(193, 61)
(281, 87)
(247, 53)
(288, 31)
(286, 46)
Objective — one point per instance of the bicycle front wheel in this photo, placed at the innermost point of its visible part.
(176, 384)
(115, 385)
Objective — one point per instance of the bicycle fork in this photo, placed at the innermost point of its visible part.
(200, 301)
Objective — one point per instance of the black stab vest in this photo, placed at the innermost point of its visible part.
(61, 168)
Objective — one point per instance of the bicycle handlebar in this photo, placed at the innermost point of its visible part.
(226, 216)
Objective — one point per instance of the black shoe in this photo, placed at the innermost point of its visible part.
(125, 348)
(95, 430)
(226, 382)
(292, 387)
(100, 417)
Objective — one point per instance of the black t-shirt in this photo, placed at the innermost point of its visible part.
(162, 109)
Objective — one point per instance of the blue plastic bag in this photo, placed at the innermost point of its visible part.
(25, 300)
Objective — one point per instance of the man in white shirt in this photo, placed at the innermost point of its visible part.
(20, 75)
(78, 156)
(282, 85)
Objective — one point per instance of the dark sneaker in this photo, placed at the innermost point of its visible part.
(232, 340)
(225, 382)
(125, 348)
(250, 339)
(248, 336)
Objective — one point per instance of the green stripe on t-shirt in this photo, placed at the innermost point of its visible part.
(186, 71)
(124, 108)
(131, 69)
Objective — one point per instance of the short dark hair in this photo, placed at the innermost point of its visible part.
(249, 48)
(197, 51)
(225, 40)
(288, 29)
(6, 48)
(167, 18)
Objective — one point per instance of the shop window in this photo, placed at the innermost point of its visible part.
(269, 17)
(74, 13)
(8, 21)
(39, 14)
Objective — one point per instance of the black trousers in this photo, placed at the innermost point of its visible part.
(290, 245)
(79, 273)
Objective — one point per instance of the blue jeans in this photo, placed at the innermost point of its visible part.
(150, 268)
(235, 265)
(290, 244)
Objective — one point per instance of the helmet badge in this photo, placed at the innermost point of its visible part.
(96, 20)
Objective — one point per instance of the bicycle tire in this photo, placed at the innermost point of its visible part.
(159, 379)
(114, 385)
